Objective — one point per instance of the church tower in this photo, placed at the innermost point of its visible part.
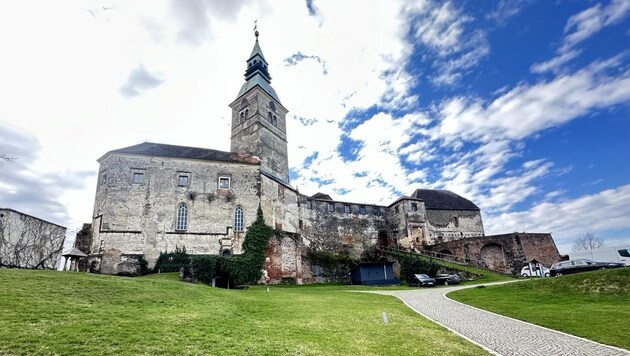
(259, 125)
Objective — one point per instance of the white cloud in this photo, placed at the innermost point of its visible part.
(598, 213)
(527, 109)
(444, 29)
(581, 27)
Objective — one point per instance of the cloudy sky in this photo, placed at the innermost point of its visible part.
(519, 105)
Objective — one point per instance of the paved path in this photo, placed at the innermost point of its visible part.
(497, 334)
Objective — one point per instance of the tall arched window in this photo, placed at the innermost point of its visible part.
(182, 217)
(238, 219)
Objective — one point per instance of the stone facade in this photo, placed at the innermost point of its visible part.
(151, 198)
(506, 253)
(29, 242)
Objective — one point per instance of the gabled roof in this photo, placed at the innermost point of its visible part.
(162, 150)
(75, 252)
(443, 200)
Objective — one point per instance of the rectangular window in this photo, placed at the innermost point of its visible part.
(414, 207)
(224, 182)
(182, 180)
(396, 210)
(138, 178)
(310, 204)
(331, 207)
(377, 212)
(362, 210)
(347, 209)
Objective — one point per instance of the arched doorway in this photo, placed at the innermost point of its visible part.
(446, 254)
(493, 255)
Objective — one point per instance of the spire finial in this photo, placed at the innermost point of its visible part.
(256, 29)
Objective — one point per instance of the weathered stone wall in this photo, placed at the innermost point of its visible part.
(140, 218)
(29, 242)
(341, 231)
(283, 260)
(448, 225)
(506, 253)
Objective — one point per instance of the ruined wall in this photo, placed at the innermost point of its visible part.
(29, 242)
(448, 225)
(350, 228)
(505, 253)
(283, 260)
(140, 218)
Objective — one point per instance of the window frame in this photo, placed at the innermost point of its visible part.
(347, 208)
(179, 180)
(137, 174)
(362, 210)
(331, 207)
(181, 223)
(224, 178)
(239, 220)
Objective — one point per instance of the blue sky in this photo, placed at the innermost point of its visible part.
(520, 106)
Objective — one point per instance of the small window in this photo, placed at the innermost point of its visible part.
(456, 221)
(331, 207)
(244, 103)
(238, 219)
(362, 210)
(301, 224)
(347, 209)
(182, 218)
(624, 253)
(310, 204)
(182, 180)
(138, 177)
(376, 212)
(103, 179)
(274, 120)
(396, 210)
(269, 116)
(272, 106)
(414, 207)
(224, 182)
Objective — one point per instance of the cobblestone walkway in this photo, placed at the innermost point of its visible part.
(495, 333)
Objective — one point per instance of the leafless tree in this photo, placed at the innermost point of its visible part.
(28, 242)
(588, 241)
(5, 158)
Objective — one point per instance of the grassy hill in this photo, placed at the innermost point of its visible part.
(51, 312)
(594, 305)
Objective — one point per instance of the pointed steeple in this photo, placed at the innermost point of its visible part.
(257, 72)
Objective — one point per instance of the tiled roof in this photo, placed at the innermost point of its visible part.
(443, 199)
(162, 150)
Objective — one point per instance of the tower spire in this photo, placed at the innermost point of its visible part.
(256, 29)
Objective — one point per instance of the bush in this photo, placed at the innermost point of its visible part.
(410, 265)
(172, 261)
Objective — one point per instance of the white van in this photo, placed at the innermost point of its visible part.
(534, 272)
(619, 254)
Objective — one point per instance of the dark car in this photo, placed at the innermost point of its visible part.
(580, 265)
(447, 279)
(420, 280)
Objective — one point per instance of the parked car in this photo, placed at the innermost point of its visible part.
(525, 272)
(420, 280)
(447, 279)
(580, 265)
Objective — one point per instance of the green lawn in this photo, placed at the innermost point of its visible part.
(593, 305)
(51, 312)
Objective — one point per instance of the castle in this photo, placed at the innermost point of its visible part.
(152, 197)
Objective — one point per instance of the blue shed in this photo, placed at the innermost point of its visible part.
(374, 274)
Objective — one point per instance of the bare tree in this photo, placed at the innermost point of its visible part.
(29, 242)
(588, 241)
(4, 158)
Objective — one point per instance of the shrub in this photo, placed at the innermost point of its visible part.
(172, 261)
(204, 267)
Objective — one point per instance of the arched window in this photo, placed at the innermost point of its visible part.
(182, 217)
(272, 106)
(274, 120)
(238, 219)
(269, 116)
(244, 103)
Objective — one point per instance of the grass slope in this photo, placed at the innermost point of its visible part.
(51, 312)
(593, 305)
